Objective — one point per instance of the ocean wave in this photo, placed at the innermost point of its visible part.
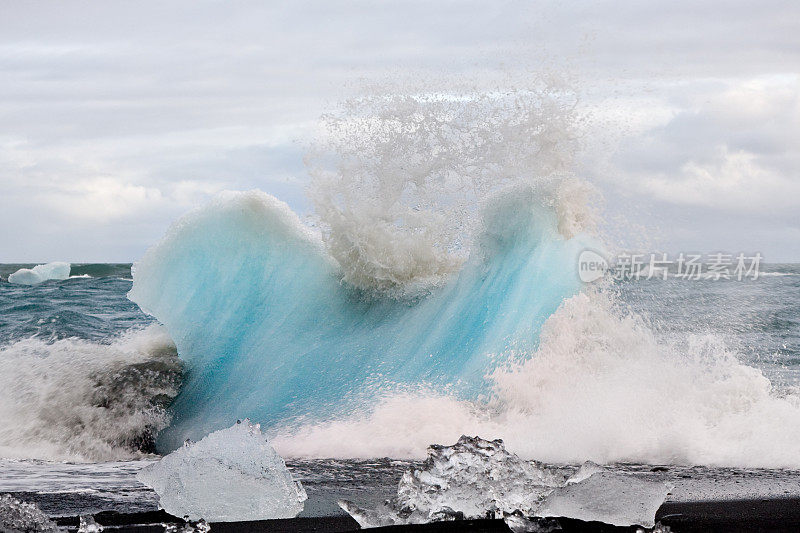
(599, 387)
(78, 400)
(438, 295)
(258, 311)
(101, 270)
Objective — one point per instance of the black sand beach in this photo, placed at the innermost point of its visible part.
(757, 515)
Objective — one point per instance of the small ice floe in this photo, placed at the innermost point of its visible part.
(88, 525)
(21, 517)
(476, 478)
(586, 470)
(230, 475)
(615, 499)
(40, 273)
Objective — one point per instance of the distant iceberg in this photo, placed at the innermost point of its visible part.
(476, 478)
(231, 475)
(40, 273)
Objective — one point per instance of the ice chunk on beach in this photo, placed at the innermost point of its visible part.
(616, 499)
(584, 472)
(201, 526)
(476, 478)
(40, 273)
(21, 517)
(473, 478)
(88, 525)
(231, 475)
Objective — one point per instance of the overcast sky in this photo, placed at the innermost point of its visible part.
(116, 117)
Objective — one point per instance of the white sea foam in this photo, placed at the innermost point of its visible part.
(85, 401)
(601, 388)
(400, 210)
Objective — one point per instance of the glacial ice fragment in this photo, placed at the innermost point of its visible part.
(616, 499)
(21, 517)
(230, 475)
(40, 273)
(476, 478)
(584, 472)
(88, 525)
(201, 526)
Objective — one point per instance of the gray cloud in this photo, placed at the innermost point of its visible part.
(116, 117)
(721, 168)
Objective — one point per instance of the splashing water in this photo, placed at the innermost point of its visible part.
(450, 223)
(436, 296)
(454, 223)
(75, 399)
(401, 208)
(599, 387)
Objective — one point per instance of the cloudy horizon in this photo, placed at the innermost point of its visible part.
(117, 118)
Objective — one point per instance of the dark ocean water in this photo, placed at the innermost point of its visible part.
(93, 307)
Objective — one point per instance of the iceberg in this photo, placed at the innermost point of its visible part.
(231, 475)
(40, 273)
(21, 517)
(476, 478)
